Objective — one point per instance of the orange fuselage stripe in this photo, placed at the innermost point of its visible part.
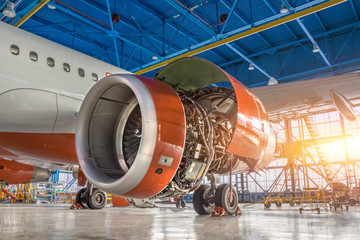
(56, 148)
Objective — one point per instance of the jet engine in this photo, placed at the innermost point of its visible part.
(140, 137)
(12, 172)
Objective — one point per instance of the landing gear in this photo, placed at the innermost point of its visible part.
(180, 203)
(201, 201)
(226, 198)
(95, 199)
(278, 203)
(81, 198)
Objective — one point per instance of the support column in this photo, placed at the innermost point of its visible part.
(288, 138)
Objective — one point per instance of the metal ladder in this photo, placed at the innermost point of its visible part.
(326, 168)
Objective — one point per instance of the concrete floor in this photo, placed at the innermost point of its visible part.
(167, 222)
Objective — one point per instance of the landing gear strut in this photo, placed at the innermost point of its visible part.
(180, 203)
(202, 201)
(91, 197)
(223, 197)
(226, 198)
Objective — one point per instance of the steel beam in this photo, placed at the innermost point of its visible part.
(127, 23)
(251, 31)
(273, 49)
(99, 27)
(31, 13)
(229, 16)
(229, 45)
(112, 29)
(190, 16)
(171, 25)
(319, 19)
(354, 9)
(197, 21)
(313, 41)
(281, 79)
(225, 3)
(79, 38)
(271, 7)
(290, 8)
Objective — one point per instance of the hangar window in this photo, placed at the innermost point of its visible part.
(33, 56)
(50, 62)
(66, 67)
(95, 77)
(14, 49)
(81, 72)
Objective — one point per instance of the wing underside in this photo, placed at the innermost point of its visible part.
(296, 99)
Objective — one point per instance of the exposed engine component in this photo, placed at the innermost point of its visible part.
(138, 137)
(210, 122)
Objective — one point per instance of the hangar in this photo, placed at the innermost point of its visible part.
(194, 113)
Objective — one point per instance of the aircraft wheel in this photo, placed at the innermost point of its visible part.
(352, 202)
(97, 200)
(81, 198)
(267, 204)
(292, 203)
(201, 206)
(178, 204)
(222, 198)
(278, 203)
(183, 204)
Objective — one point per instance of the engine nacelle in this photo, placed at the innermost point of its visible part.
(12, 172)
(139, 137)
(130, 135)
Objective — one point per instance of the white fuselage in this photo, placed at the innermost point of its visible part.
(36, 97)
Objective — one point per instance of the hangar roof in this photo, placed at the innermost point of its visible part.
(284, 39)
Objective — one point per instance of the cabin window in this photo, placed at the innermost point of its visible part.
(33, 56)
(95, 77)
(66, 67)
(81, 72)
(14, 49)
(50, 62)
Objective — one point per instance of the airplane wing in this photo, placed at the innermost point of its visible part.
(296, 99)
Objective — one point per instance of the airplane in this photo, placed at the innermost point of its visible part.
(140, 137)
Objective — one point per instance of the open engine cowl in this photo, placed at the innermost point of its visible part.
(125, 135)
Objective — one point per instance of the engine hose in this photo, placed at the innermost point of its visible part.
(210, 149)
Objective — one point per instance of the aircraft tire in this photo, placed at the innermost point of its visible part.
(97, 200)
(202, 207)
(81, 200)
(222, 199)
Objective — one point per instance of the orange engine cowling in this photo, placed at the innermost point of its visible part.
(139, 137)
(130, 135)
(12, 172)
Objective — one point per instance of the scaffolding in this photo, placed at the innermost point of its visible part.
(305, 158)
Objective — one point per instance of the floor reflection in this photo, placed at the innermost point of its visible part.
(167, 222)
